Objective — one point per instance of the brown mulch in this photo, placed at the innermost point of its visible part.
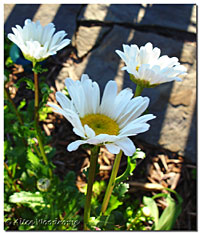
(161, 168)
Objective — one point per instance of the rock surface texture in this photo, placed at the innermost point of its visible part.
(97, 30)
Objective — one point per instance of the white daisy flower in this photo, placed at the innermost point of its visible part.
(37, 42)
(107, 123)
(147, 68)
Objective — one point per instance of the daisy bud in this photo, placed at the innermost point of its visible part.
(146, 211)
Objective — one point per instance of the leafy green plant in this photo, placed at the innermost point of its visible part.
(168, 218)
(59, 204)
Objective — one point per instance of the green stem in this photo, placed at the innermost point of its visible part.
(36, 150)
(91, 177)
(7, 94)
(11, 177)
(36, 120)
(36, 104)
(138, 90)
(111, 183)
(42, 149)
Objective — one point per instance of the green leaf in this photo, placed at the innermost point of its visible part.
(169, 215)
(98, 187)
(7, 207)
(120, 190)
(131, 165)
(21, 105)
(151, 204)
(114, 203)
(39, 69)
(14, 166)
(28, 198)
(45, 90)
(31, 173)
(9, 62)
(29, 82)
(43, 112)
(33, 159)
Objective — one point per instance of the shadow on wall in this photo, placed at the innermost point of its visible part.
(19, 13)
(65, 18)
(103, 64)
(191, 144)
(160, 95)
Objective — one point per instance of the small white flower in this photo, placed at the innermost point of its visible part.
(37, 42)
(147, 68)
(109, 122)
(146, 211)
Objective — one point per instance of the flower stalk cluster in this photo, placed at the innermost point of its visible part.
(108, 121)
(37, 43)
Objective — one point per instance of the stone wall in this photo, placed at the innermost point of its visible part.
(97, 30)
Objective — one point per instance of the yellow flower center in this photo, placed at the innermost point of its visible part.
(101, 124)
(137, 68)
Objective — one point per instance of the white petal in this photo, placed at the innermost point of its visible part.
(112, 148)
(126, 146)
(135, 108)
(121, 101)
(70, 115)
(77, 95)
(144, 118)
(132, 130)
(134, 51)
(122, 55)
(89, 131)
(56, 108)
(85, 77)
(87, 86)
(74, 145)
(63, 100)
(156, 53)
(56, 39)
(126, 49)
(137, 126)
(78, 132)
(13, 38)
(108, 98)
(102, 138)
(63, 44)
(96, 98)
(27, 21)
